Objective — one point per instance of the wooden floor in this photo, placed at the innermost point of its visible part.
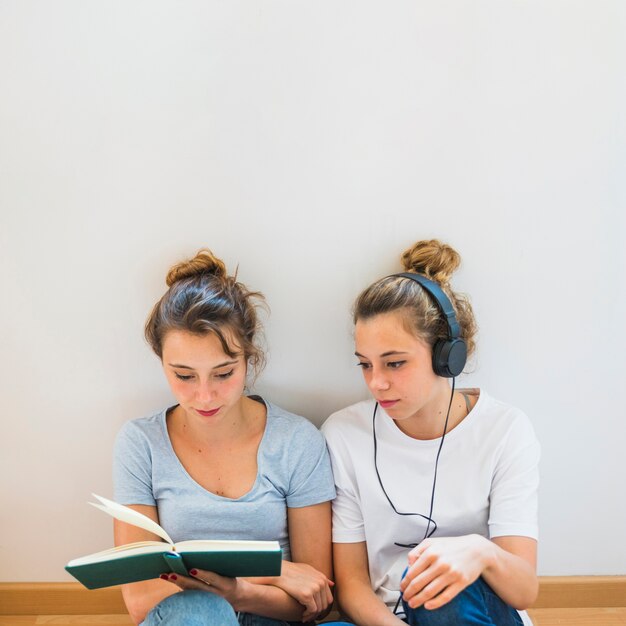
(541, 617)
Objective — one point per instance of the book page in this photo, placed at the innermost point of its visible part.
(124, 514)
(130, 549)
(226, 545)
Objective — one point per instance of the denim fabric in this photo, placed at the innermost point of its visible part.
(192, 608)
(476, 605)
(249, 619)
(202, 608)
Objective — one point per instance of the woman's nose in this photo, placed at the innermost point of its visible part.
(379, 380)
(205, 392)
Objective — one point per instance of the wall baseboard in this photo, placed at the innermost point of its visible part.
(581, 592)
(58, 599)
(74, 599)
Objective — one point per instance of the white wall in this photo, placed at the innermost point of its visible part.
(309, 143)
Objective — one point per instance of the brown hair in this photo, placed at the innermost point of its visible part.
(437, 261)
(203, 299)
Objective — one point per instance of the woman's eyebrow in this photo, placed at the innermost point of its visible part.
(224, 364)
(389, 353)
(186, 367)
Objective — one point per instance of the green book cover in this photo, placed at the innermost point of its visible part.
(150, 559)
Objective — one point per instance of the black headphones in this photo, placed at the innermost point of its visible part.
(449, 355)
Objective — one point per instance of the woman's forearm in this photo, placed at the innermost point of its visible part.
(268, 601)
(512, 577)
(141, 597)
(359, 602)
(264, 600)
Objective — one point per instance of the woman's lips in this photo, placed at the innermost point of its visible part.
(208, 413)
(387, 404)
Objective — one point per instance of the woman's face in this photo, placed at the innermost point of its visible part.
(397, 366)
(206, 382)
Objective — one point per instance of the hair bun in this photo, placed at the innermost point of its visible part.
(205, 262)
(433, 259)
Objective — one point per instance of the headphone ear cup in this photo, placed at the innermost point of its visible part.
(449, 357)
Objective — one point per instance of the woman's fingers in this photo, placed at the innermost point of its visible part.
(329, 594)
(421, 564)
(445, 596)
(201, 579)
(310, 603)
(326, 591)
(317, 600)
(417, 551)
(310, 587)
(324, 596)
(418, 576)
(220, 584)
(185, 582)
(418, 595)
(308, 616)
(320, 600)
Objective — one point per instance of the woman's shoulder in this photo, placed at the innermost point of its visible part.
(357, 415)
(501, 417)
(288, 423)
(497, 408)
(148, 427)
(292, 437)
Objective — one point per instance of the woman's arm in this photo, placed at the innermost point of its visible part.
(243, 595)
(142, 596)
(308, 577)
(302, 592)
(354, 591)
(511, 572)
(441, 568)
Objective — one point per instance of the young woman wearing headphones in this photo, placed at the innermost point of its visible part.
(435, 520)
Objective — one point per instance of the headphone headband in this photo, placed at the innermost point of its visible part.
(449, 355)
(441, 300)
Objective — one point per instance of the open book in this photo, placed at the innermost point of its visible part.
(149, 559)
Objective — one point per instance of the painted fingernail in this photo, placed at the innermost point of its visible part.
(164, 576)
(173, 577)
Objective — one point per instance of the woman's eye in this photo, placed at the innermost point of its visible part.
(394, 365)
(363, 365)
(225, 375)
(182, 376)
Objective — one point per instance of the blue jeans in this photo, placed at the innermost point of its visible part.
(203, 608)
(476, 605)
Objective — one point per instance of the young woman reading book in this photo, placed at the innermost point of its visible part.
(220, 464)
(435, 520)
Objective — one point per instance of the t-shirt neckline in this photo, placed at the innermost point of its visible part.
(392, 429)
(181, 467)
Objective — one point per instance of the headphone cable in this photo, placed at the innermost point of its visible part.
(429, 517)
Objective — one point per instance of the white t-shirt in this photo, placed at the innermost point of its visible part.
(487, 481)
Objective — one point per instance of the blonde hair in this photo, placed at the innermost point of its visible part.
(437, 261)
(202, 298)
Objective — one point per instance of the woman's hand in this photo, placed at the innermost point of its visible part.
(441, 568)
(231, 589)
(303, 582)
(308, 586)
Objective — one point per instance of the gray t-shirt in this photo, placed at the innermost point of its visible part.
(293, 471)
